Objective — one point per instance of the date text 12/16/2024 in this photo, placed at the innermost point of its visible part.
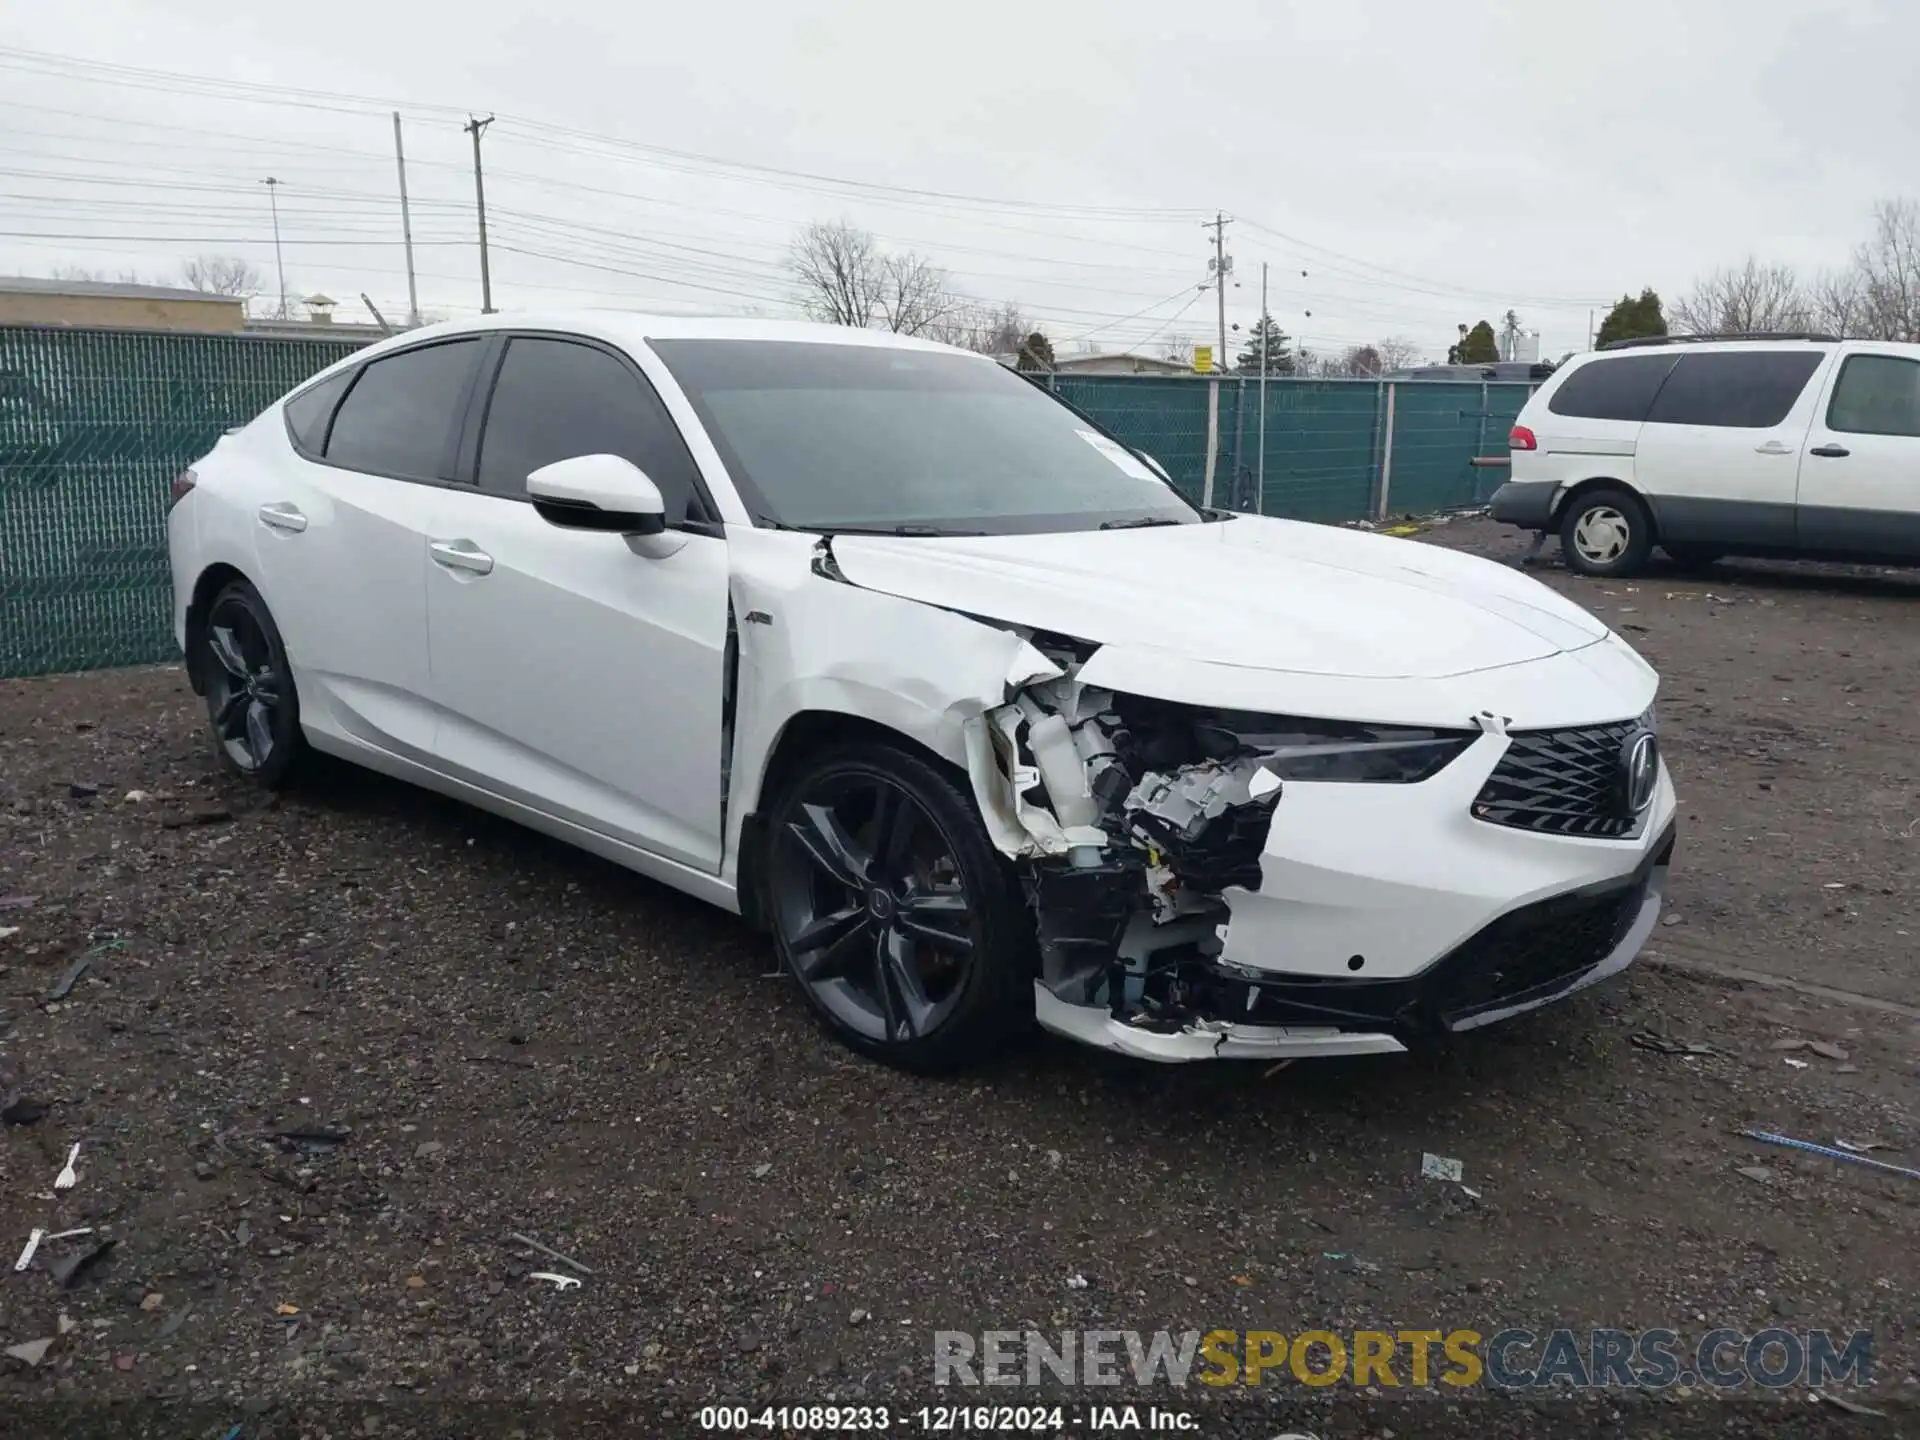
(947, 1419)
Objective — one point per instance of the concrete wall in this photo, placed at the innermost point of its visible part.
(213, 316)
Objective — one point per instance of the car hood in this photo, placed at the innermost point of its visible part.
(1274, 595)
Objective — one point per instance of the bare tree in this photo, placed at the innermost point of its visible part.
(1888, 267)
(1836, 302)
(1397, 352)
(1179, 349)
(989, 329)
(97, 277)
(221, 275)
(1362, 362)
(1749, 299)
(845, 278)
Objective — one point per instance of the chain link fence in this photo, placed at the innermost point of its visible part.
(94, 425)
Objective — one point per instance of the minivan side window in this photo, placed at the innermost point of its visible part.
(309, 411)
(1612, 388)
(400, 416)
(1876, 395)
(1737, 389)
(555, 399)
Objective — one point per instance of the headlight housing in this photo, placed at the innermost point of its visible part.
(1339, 751)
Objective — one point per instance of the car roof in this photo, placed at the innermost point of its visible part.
(1687, 345)
(633, 329)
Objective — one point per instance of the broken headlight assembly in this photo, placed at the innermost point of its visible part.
(1296, 748)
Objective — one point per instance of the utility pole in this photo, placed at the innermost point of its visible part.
(406, 225)
(279, 264)
(1266, 364)
(474, 127)
(1589, 329)
(1222, 267)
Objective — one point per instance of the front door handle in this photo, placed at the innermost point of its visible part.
(282, 516)
(461, 555)
(1830, 452)
(1774, 447)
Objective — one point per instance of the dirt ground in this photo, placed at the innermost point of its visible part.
(474, 1032)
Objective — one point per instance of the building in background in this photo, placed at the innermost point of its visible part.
(111, 305)
(319, 321)
(1120, 362)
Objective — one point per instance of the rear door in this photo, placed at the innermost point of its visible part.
(571, 674)
(1860, 475)
(341, 539)
(1588, 423)
(1719, 456)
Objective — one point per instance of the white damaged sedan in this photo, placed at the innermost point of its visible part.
(888, 649)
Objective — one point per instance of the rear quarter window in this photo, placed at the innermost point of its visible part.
(1738, 390)
(309, 413)
(1612, 388)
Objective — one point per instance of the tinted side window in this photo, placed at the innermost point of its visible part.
(1741, 389)
(400, 415)
(555, 399)
(1876, 395)
(1612, 388)
(310, 410)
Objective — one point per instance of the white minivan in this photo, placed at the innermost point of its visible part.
(1798, 446)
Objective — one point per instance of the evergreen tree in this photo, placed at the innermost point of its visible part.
(1268, 349)
(1036, 353)
(1479, 348)
(1632, 319)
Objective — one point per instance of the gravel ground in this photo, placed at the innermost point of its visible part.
(475, 1032)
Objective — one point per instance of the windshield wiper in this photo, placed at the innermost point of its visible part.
(909, 529)
(1141, 522)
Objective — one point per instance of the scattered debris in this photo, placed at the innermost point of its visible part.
(1767, 1137)
(64, 985)
(559, 1282)
(1861, 1147)
(69, 1273)
(23, 1112)
(7, 930)
(152, 1301)
(1649, 1040)
(416, 1282)
(1440, 1167)
(1275, 1068)
(69, 1234)
(1790, 1044)
(175, 1321)
(1759, 1173)
(1796, 1064)
(1827, 1397)
(67, 1179)
(33, 1352)
(312, 1141)
(1241, 1279)
(1827, 1048)
(518, 1064)
(123, 1362)
(567, 1260)
(18, 902)
(285, 1309)
(26, 1255)
(1076, 1282)
(427, 1149)
(859, 1317)
(66, 1324)
(133, 797)
(82, 789)
(197, 817)
(762, 1170)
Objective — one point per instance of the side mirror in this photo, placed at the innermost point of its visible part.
(598, 492)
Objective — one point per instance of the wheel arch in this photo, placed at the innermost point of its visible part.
(801, 736)
(1573, 492)
(210, 582)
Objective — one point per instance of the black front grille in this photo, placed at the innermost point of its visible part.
(1561, 782)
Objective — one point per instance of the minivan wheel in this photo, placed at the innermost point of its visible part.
(1606, 532)
(251, 702)
(893, 911)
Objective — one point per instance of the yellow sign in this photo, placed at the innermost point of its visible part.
(1202, 359)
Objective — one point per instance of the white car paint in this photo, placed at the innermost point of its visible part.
(456, 640)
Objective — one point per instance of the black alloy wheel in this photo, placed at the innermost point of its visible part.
(250, 696)
(890, 907)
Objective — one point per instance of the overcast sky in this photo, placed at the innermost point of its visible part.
(1425, 163)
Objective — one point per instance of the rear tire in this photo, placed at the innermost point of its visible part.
(1606, 533)
(252, 705)
(890, 907)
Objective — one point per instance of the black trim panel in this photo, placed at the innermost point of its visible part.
(1526, 503)
(1862, 536)
(1723, 524)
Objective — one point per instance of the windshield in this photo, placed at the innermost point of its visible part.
(867, 437)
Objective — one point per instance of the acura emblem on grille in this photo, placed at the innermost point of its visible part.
(1639, 771)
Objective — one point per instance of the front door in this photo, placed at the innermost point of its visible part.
(571, 674)
(1860, 475)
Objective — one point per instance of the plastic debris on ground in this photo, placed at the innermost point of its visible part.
(1441, 1167)
(1665, 1045)
(559, 1282)
(1767, 1137)
(550, 1253)
(67, 1179)
(33, 1352)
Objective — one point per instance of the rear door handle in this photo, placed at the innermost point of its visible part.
(1830, 452)
(461, 555)
(1774, 447)
(282, 516)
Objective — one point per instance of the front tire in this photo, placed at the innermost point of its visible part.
(1606, 533)
(252, 705)
(891, 908)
